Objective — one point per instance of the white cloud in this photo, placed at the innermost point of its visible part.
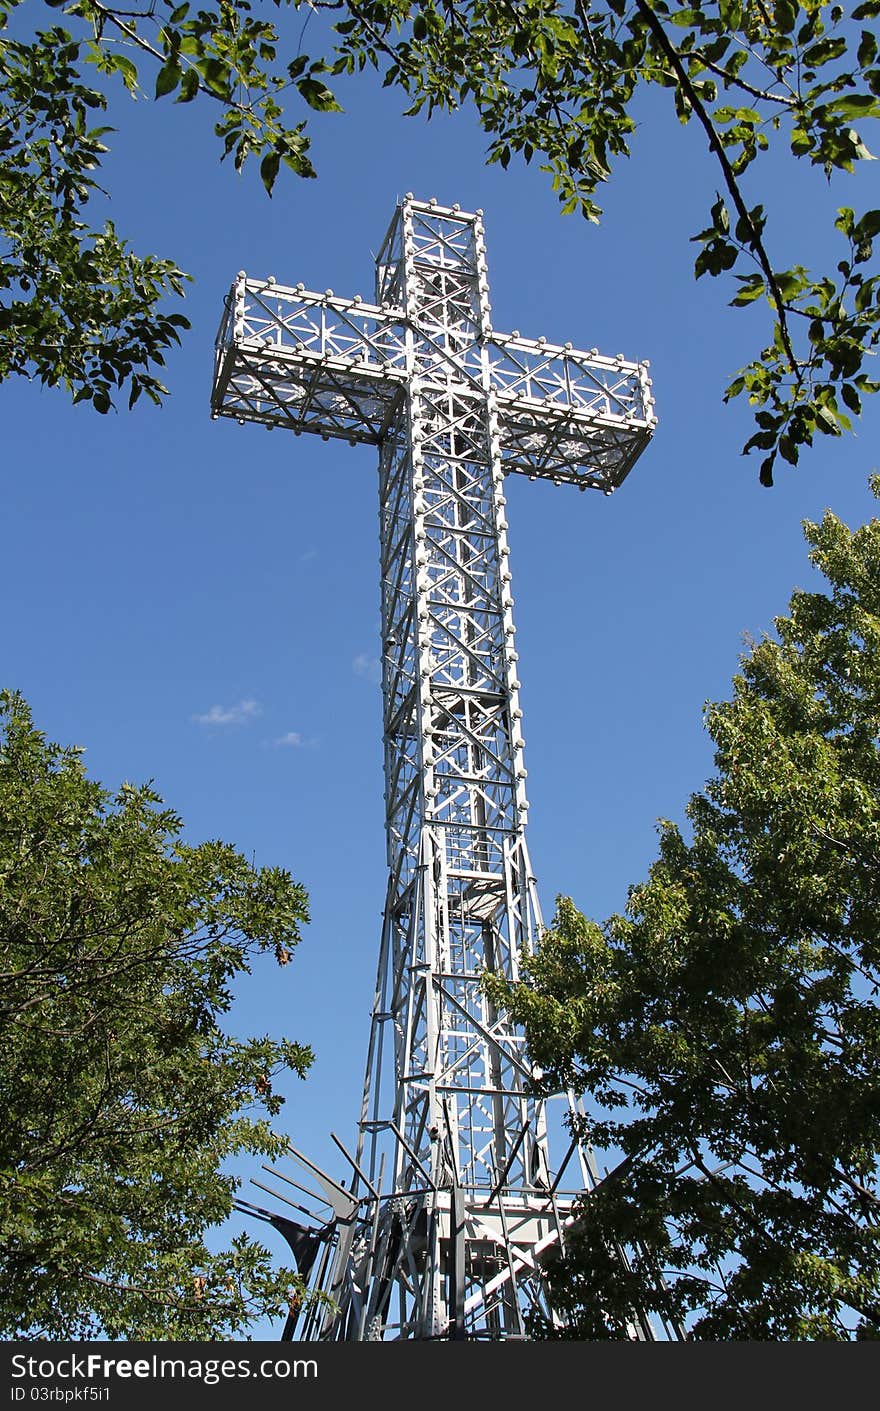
(238, 714)
(292, 739)
(367, 666)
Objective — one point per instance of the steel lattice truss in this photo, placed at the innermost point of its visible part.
(453, 1196)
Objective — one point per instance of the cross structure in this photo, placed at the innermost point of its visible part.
(452, 1196)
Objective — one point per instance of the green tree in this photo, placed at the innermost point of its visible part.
(124, 1100)
(557, 80)
(725, 1030)
(78, 308)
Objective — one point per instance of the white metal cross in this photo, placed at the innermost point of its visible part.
(459, 1197)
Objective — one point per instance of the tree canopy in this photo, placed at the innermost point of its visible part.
(554, 80)
(725, 1029)
(124, 1099)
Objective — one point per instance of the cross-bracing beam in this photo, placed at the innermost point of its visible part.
(453, 1198)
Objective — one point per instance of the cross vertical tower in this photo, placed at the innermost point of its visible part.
(453, 1195)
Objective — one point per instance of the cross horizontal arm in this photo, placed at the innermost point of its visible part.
(338, 367)
(311, 362)
(566, 415)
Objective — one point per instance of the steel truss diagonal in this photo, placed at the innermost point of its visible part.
(452, 1197)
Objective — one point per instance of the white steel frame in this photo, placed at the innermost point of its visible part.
(453, 1197)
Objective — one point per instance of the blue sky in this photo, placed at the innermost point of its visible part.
(196, 602)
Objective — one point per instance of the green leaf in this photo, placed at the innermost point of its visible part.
(749, 229)
(790, 283)
(867, 51)
(827, 421)
(761, 441)
(845, 220)
(765, 475)
(717, 256)
(215, 76)
(851, 397)
(269, 169)
(123, 66)
(318, 95)
(868, 226)
(752, 288)
(856, 105)
(189, 86)
(720, 217)
(788, 450)
(168, 78)
(826, 49)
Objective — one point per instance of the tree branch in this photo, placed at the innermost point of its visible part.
(730, 181)
(738, 82)
(141, 43)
